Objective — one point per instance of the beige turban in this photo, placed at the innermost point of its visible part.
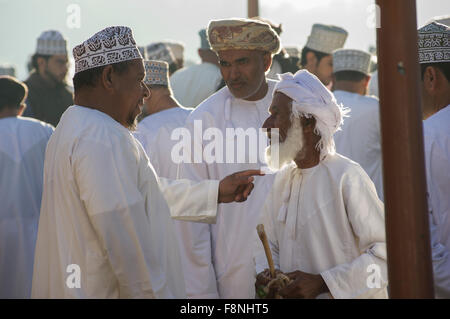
(242, 34)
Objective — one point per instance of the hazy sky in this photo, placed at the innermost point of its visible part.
(21, 21)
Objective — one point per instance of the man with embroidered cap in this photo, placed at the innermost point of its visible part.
(193, 84)
(360, 136)
(49, 95)
(22, 148)
(323, 219)
(105, 217)
(162, 52)
(316, 54)
(434, 59)
(244, 48)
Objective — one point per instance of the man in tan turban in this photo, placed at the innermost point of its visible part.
(245, 49)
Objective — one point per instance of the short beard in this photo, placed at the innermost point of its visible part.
(289, 149)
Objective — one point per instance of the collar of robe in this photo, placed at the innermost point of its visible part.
(291, 197)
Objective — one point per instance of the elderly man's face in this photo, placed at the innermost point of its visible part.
(244, 72)
(131, 93)
(280, 113)
(290, 132)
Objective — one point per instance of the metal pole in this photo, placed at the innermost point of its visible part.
(253, 9)
(407, 233)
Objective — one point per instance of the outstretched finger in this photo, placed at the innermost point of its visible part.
(250, 172)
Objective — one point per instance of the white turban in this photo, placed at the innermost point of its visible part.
(311, 98)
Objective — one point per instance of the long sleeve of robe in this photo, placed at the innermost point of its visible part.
(327, 220)
(155, 132)
(103, 209)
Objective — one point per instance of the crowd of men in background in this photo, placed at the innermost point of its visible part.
(87, 175)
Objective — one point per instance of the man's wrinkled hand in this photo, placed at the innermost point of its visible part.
(262, 280)
(238, 186)
(304, 286)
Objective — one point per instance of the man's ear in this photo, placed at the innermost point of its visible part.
(311, 60)
(430, 79)
(308, 124)
(267, 60)
(107, 78)
(366, 81)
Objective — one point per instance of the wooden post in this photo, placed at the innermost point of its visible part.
(407, 233)
(253, 9)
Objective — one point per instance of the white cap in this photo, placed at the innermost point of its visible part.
(161, 52)
(109, 46)
(177, 48)
(51, 42)
(434, 43)
(351, 60)
(326, 38)
(156, 72)
(293, 51)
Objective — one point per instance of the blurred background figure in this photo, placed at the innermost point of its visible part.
(193, 84)
(316, 54)
(49, 94)
(22, 149)
(159, 51)
(7, 70)
(281, 62)
(177, 49)
(360, 136)
(162, 114)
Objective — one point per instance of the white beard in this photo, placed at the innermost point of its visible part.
(289, 149)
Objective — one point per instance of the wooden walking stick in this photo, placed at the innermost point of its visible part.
(263, 237)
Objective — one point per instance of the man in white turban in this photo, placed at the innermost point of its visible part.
(323, 219)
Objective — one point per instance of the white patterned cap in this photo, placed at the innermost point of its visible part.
(51, 42)
(177, 48)
(293, 51)
(109, 46)
(156, 72)
(7, 70)
(351, 60)
(161, 52)
(434, 43)
(326, 38)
